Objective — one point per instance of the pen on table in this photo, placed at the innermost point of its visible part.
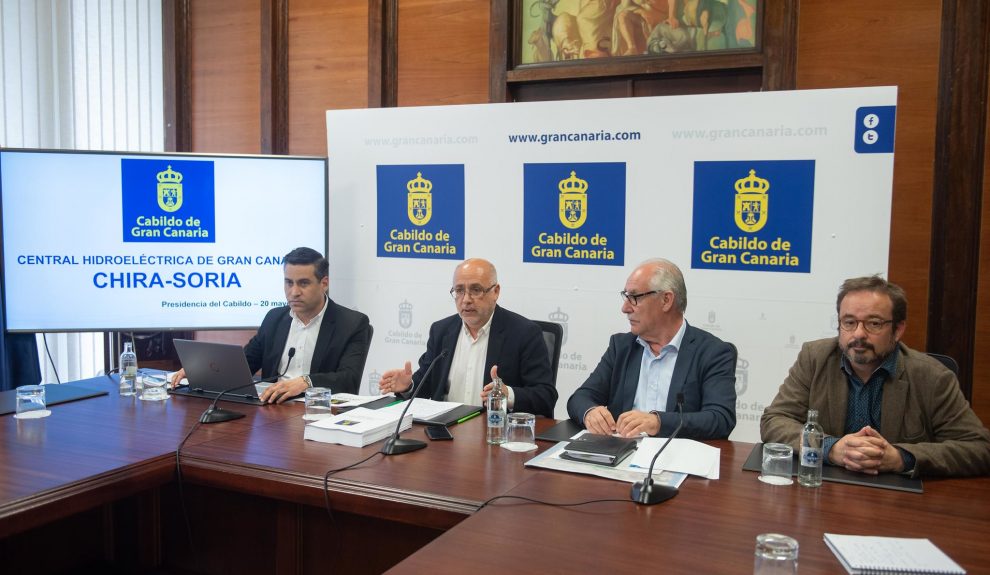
(467, 417)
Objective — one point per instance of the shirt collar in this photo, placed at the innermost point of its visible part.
(319, 316)
(674, 344)
(483, 330)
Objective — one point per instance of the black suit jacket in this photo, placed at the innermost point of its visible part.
(705, 372)
(515, 345)
(341, 347)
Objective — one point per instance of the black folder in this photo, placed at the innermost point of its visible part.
(894, 481)
(599, 449)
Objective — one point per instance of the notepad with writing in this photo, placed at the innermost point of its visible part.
(867, 555)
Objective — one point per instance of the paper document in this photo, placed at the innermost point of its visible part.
(428, 409)
(352, 400)
(682, 455)
(550, 459)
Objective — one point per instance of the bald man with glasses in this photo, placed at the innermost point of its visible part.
(634, 389)
(884, 407)
(482, 341)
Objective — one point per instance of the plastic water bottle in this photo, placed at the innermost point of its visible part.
(497, 403)
(810, 471)
(128, 370)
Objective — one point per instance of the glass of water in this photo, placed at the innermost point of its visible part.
(31, 402)
(520, 432)
(777, 464)
(318, 403)
(775, 554)
(152, 386)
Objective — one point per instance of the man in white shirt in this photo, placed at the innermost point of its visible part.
(482, 341)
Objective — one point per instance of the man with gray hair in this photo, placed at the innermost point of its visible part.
(634, 389)
(884, 406)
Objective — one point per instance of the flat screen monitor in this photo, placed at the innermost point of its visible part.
(98, 241)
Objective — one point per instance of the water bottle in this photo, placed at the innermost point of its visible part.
(810, 471)
(497, 402)
(128, 370)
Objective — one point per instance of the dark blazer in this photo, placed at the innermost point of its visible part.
(705, 372)
(515, 345)
(341, 347)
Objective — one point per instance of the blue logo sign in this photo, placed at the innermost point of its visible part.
(875, 129)
(574, 213)
(754, 216)
(421, 211)
(167, 201)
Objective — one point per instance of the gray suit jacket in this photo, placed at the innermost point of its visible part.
(923, 410)
(705, 372)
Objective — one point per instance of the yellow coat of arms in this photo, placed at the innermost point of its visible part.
(752, 202)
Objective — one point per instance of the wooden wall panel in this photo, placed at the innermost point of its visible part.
(225, 77)
(981, 352)
(328, 67)
(845, 43)
(443, 52)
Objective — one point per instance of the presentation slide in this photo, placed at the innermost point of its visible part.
(767, 201)
(113, 241)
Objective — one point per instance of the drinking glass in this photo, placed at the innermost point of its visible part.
(31, 402)
(318, 403)
(775, 554)
(520, 432)
(777, 464)
(152, 387)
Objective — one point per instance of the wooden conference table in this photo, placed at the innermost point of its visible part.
(95, 484)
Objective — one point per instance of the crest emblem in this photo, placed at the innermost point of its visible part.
(561, 318)
(711, 316)
(752, 202)
(373, 378)
(169, 190)
(419, 200)
(573, 201)
(742, 376)
(405, 314)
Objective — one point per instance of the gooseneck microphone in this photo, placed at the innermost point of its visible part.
(648, 492)
(396, 446)
(214, 414)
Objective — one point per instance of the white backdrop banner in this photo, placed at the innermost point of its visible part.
(767, 202)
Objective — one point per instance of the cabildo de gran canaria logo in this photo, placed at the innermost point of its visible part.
(734, 226)
(420, 200)
(167, 201)
(751, 202)
(421, 211)
(574, 213)
(573, 201)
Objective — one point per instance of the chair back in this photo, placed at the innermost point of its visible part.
(553, 335)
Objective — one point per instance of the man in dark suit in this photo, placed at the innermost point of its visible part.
(330, 341)
(634, 388)
(483, 341)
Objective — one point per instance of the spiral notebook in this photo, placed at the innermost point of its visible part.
(868, 555)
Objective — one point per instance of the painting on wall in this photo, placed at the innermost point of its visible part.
(562, 30)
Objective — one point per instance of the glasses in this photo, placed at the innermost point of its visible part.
(633, 298)
(873, 325)
(474, 291)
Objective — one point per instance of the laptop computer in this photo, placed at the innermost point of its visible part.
(212, 368)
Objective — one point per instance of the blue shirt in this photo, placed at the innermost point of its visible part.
(655, 373)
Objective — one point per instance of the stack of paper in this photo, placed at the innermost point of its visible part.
(358, 427)
(682, 456)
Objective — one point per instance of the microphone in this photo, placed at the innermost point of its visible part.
(646, 492)
(396, 446)
(214, 414)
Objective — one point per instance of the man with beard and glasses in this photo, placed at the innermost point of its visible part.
(884, 407)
